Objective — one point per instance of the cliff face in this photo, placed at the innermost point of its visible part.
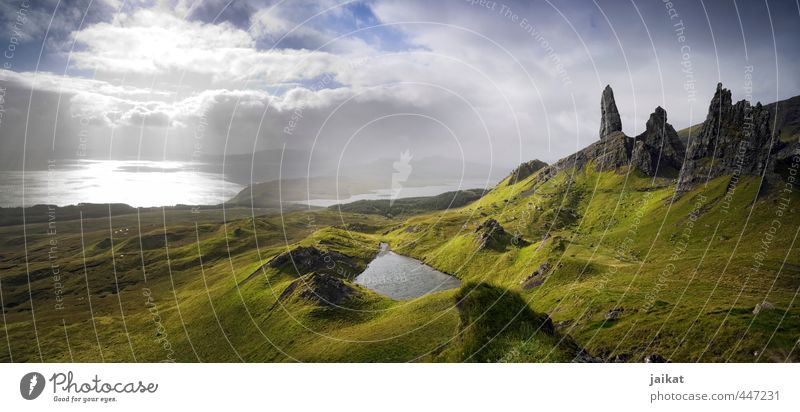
(734, 139)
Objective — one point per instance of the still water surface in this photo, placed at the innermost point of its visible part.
(401, 277)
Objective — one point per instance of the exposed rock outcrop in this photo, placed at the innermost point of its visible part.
(608, 154)
(537, 277)
(304, 259)
(609, 115)
(659, 150)
(585, 357)
(524, 170)
(321, 289)
(735, 139)
(490, 233)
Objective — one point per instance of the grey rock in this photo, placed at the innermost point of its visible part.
(658, 150)
(621, 358)
(735, 139)
(585, 357)
(655, 358)
(490, 226)
(489, 232)
(610, 153)
(537, 277)
(760, 307)
(610, 121)
(524, 170)
(614, 314)
(304, 259)
(321, 289)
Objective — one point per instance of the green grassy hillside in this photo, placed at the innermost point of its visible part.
(612, 264)
(683, 273)
(412, 205)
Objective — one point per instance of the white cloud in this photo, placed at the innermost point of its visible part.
(475, 70)
(156, 43)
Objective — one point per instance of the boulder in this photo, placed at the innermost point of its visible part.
(762, 307)
(585, 357)
(614, 314)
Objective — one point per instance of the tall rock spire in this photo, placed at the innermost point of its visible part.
(609, 115)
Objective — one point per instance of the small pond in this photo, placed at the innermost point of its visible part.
(401, 277)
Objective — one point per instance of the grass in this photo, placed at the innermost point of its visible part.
(168, 286)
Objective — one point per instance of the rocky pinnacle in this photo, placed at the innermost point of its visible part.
(609, 115)
(735, 139)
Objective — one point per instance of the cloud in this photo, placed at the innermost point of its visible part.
(432, 77)
(155, 43)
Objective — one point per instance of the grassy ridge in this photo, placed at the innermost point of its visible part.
(679, 268)
(632, 270)
(412, 205)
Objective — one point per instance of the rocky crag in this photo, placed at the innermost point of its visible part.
(656, 152)
(735, 139)
(524, 170)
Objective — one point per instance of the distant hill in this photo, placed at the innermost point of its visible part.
(363, 178)
(412, 205)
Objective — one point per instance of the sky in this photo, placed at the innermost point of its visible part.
(492, 82)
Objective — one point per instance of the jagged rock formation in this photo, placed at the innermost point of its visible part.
(659, 150)
(735, 139)
(656, 152)
(609, 115)
(524, 170)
